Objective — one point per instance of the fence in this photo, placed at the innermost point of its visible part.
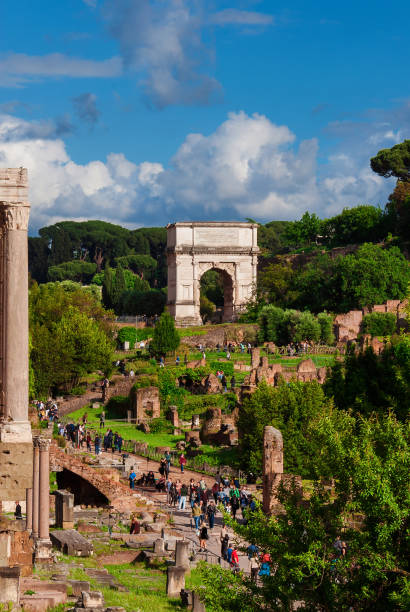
(155, 453)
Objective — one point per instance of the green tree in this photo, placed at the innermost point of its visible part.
(165, 337)
(367, 383)
(356, 225)
(369, 461)
(108, 288)
(127, 334)
(393, 162)
(304, 231)
(371, 275)
(290, 408)
(325, 321)
(379, 323)
(307, 328)
(77, 270)
(119, 289)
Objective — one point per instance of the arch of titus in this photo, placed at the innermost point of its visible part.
(193, 248)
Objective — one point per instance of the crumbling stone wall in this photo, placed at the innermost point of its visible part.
(145, 404)
(112, 490)
(347, 326)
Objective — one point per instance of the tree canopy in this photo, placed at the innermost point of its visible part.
(393, 162)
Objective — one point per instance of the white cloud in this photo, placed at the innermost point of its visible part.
(247, 167)
(237, 17)
(18, 69)
(162, 42)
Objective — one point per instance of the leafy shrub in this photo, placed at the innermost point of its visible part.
(146, 381)
(226, 366)
(127, 334)
(160, 425)
(79, 390)
(379, 323)
(325, 321)
(194, 375)
(117, 407)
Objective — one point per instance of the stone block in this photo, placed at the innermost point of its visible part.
(9, 585)
(197, 605)
(78, 586)
(64, 508)
(70, 542)
(175, 580)
(182, 554)
(16, 470)
(159, 546)
(42, 551)
(92, 599)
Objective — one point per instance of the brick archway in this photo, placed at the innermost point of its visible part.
(193, 248)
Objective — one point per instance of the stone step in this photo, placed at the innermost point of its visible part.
(40, 602)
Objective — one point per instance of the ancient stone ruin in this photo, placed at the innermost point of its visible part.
(15, 430)
(145, 404)
(196, 247)
(272, 469)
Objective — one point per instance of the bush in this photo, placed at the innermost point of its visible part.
(379, 323)
(226, 366)
(325, 321)
(160, 425)
(127, 334)
(146, 381)
(307, 328)
(117, 407)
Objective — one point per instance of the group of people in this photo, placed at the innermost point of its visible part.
(297, 348)
(47, 411)
(79, 437)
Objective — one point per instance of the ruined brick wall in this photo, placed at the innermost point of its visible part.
(112, 490)
(145, 404)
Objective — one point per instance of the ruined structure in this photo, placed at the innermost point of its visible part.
(272, 467)
(145, 404)
(196, 247)
(305, 371)
(348, 326)
(15, 429)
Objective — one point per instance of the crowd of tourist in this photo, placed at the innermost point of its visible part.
(47, 411)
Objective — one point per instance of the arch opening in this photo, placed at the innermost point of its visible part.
(216, 296)
(84, 491)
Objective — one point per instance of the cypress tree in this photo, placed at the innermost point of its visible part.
(107, 288)
(165, 337)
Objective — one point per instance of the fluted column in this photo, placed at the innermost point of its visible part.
(29, 509)
(36, 482)
(44, 489)
(14, 216)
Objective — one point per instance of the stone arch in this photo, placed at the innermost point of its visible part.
(193, 248)
(84, 491)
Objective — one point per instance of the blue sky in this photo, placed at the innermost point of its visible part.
(143, 112)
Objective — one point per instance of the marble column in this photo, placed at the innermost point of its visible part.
(43, 543)
(44, 489)
(36, 481)
(15, 429)
(29, 509)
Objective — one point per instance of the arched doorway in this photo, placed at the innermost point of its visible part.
(216, 296)
(84, 491)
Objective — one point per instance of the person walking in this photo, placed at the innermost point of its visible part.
(196, 513)
(211, 511)
(224, 539)
(224, 383)
(203, 536)
(131, 479)
(182, 499)
(182, 462)
(168, 460)
(254, 567)
(102, 420)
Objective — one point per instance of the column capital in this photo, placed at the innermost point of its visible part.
(36, 441)
(14, 215)
(44, 443)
